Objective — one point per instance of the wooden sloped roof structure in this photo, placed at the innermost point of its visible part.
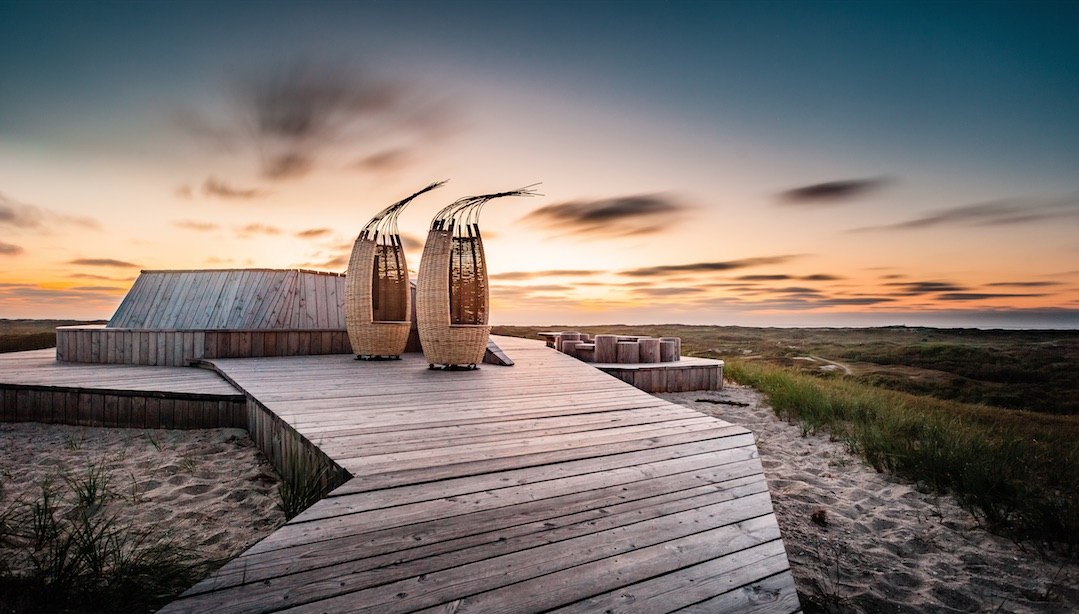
(233, 299)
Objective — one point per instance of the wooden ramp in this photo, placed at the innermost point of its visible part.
(544, 486)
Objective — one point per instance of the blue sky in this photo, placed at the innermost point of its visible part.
(939, 143)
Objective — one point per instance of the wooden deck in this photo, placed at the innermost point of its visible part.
(544, 486)
(35, 387)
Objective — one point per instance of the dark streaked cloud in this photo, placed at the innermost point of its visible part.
(624, 216)
(99, 277)
(782, 276)
(98, 296)
(217, 188)
(257, 229)
(313, 233)
(1024, 284)
(522, 275)
(303, 115)
(861, 300)
(18, 215)
(1008, 212)
(7, 249)
(980, 296)
(832, 192)
(411, 242)
(106, 262)
(709, 267)
(196, 225)
(914, 288)
(386, 161)
(779, 277)
(676, 291)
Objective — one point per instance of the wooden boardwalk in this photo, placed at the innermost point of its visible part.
(544, 486)
(34, 387)
(40, 368)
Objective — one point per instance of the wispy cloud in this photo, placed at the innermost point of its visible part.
(18, 215)
(1024, 284)
(251, 230)
(915, 288)
(832, 192)
(295, 117)
(7, 249)
(217, 188)
(387, 160)
(196, 225)
(98, 277)
(612, 217)
(313, 233)
(980, 296)
(104, 262)
(708, 267)
(522, 275)
(82, 296)
(412, 242)
(1009, 212)
(669, 291)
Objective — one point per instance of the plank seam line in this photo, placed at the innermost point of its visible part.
(541, 498)
(560, 570)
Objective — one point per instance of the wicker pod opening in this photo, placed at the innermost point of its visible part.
(452, 293)
(378, 296)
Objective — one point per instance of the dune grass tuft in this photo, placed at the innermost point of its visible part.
(1017, 471)
(77, 556)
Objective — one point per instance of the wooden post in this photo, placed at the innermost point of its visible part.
(677, 346)
(649, 351)
(585, 351)
(628, 352)
(568, 346)
(668, 350)
(606, 348)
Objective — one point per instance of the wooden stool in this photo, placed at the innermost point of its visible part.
(606, 348)
(628, 352)
(668, 350)
(649, 351)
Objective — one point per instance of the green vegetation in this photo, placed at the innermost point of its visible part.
(1031, 370)
(1016, 470)
(22, 335)
(69, 553)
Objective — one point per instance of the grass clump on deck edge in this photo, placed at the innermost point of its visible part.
(1016, 471)
(75, 555)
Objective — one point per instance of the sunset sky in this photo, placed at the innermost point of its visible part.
(757, 163)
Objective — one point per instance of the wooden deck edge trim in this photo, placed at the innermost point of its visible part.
(294, 456)
(125, 392)
(119, 408)
(674, 378)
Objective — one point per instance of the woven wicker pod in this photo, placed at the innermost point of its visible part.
(377, 290)
(452, 296)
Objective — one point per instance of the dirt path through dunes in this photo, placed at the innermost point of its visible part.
(862, 541)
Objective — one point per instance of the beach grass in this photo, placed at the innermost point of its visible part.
(1017, 471)
(77, 556)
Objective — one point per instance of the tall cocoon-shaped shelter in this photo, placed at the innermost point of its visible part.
(452, 297)
(378, 298)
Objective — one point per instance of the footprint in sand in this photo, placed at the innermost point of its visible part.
(196, 489)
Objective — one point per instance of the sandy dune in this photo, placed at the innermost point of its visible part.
(878, 544)
(210, 490)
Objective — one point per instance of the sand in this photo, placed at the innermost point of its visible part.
(857, 540)
(862, 541)
(208, 490)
